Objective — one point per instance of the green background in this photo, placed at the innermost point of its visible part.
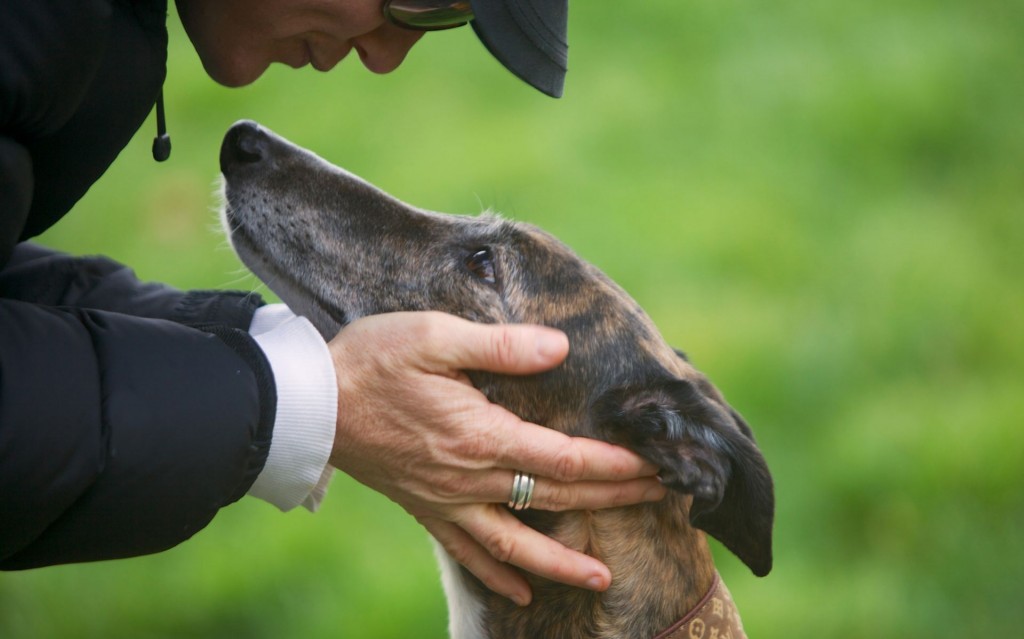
(822, 202)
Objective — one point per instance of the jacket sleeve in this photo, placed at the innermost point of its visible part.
(44, 276)
(122, 430)
(15, 192)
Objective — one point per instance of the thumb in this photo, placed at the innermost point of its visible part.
(504, 348)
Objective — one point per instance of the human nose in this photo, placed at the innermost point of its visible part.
(383, 49)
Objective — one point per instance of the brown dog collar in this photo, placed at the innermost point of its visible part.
(714, 617)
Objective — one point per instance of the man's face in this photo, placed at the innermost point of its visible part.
(238, 39)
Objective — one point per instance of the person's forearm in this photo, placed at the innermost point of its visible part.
(43, 276)
(122, 436)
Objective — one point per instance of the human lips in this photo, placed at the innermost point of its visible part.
(297, 55)
(327, 56)
(305, 51)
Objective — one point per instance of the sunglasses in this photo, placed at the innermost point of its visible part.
(428, 15)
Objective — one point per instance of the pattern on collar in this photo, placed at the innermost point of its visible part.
(714, 617)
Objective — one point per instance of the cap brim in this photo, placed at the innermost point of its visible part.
(530, 45)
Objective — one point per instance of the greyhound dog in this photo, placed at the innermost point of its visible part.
(336, 248)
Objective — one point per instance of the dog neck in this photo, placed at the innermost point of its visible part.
(661, 566)
(661, 571)
(715, 616)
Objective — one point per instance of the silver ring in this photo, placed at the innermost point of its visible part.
(522, 491)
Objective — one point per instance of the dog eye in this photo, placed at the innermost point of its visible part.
(481, 265)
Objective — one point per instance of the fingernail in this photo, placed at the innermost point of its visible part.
(655, 493)
(521, 600)
(551, 343)
(597, 582)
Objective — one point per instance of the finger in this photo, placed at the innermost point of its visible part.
(548, 453)
(548, 494)
(460, 546)
(510, 541)
(459, 344)
(495, 487)
(558, 496)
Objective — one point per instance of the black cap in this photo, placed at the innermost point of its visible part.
(528, 37)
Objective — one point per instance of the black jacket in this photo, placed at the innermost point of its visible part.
(129, 412)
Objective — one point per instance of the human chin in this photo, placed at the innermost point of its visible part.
(234, 71)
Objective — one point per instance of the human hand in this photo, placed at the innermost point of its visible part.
(411, 426)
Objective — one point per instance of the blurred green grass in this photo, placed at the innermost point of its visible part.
(823, 203)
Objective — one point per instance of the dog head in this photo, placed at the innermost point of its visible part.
(336, 248)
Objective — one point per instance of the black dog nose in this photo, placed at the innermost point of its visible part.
(244, 143)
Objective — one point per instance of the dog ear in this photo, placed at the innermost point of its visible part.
(704, 449)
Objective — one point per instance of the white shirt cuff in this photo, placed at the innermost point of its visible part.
(296, 472)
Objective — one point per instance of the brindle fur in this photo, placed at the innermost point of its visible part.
(336, 248)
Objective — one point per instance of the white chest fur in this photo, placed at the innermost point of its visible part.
(465, 612)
